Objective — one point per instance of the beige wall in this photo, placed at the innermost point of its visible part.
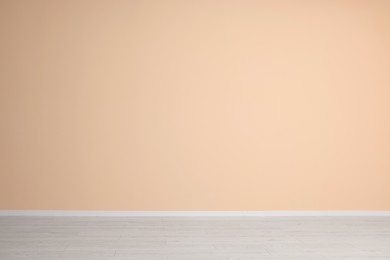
(195, 105)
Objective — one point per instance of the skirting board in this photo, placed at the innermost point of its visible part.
(262, 213)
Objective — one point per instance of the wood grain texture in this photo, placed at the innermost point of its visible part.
(176, 238)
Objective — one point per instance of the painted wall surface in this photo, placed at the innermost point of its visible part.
(195, 105)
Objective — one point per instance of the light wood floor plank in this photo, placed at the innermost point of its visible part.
(200, 238)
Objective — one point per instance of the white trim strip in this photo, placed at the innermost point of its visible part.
(262, 213)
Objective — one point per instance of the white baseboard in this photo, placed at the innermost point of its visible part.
(262, 213)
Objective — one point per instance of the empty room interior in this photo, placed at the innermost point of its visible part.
(194, 129)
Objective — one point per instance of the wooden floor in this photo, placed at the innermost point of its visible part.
(189, 238)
